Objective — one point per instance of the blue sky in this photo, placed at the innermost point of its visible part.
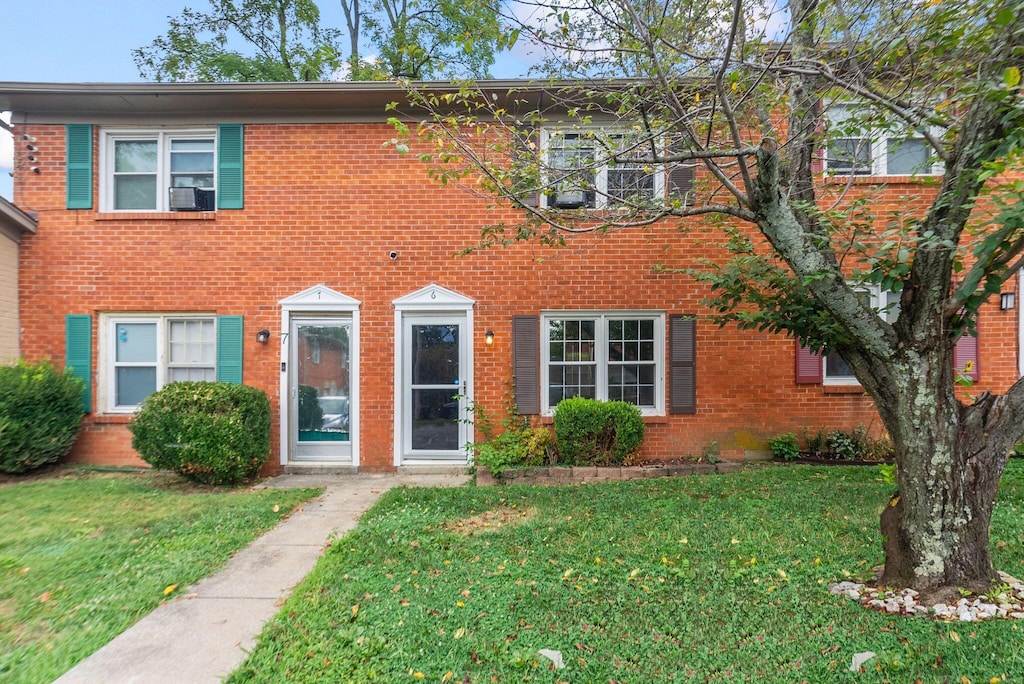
(70, 41)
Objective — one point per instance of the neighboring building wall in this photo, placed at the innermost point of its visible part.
(8, 299)
(326, 204)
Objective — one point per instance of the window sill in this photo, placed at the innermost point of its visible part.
(156, 216)
(870, 179)
(842, 389)
(112, 418)
(648, 420)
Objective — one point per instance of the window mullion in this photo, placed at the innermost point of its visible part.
(601, 357)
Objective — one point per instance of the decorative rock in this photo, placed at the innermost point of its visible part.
(1016, 615)
(940, 608)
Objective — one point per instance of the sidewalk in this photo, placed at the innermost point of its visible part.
(206, 633)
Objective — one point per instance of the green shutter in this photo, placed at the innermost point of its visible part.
(229, 166)
(229, 349)
(78, 159)
(78, 353)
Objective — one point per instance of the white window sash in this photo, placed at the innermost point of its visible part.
(108, 139)
(601, 359)
(601, 199)
(108, 354)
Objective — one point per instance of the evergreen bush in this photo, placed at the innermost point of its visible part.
(209, 432)
(40, 415)
(591, 432)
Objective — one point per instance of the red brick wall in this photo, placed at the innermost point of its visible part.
(326, 204)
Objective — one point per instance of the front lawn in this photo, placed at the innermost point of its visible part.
(84, 556)
(719, 578)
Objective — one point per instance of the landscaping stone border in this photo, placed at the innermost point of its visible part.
(581, 474)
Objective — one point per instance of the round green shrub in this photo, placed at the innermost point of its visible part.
(40, 415)
(209, 432)
(602, 433)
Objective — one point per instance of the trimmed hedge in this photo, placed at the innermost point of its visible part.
(601, 433)
(208, 432)
(40, 415)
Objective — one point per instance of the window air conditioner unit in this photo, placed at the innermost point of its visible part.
(192, 199)
(571, 199)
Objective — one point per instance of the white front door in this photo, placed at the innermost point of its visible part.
(320, 401)
(435, 381)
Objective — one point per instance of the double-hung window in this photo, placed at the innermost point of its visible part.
(598, 169)
(861, 144)
(144, 353)
(139, 167)
(607, 356)
(836, 371)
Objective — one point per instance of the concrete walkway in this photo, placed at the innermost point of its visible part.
(206, 633)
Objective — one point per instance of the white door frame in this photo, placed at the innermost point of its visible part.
(439, 302)
(318, 301)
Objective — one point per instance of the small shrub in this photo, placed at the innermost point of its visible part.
(518, 446)
(208, 432)
(591, 432)
(843, 446)
(515, 448)
(40, 415)
(785, 446)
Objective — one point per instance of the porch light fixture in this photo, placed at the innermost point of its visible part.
(489, 337)
(1007, 301)
(263, 336)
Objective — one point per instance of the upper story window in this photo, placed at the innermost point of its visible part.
(607, 356)
(138, 168)
(836, 371)
(144, 353)
(598, 169)
(859, 148)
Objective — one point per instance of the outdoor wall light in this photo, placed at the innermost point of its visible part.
(489, 337)
(1007, 301)
(263, 336)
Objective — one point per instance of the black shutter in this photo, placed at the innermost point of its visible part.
(682, 365)
(526, 363)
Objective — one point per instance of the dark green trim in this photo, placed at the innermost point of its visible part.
(229, 349)
(78, 160)
(78, 353)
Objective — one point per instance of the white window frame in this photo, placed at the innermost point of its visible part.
(601, 172)
(601, 319)
(891, 304)
(108, 356)
(879, 141)
(163, 137)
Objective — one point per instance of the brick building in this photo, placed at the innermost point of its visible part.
(262, 233)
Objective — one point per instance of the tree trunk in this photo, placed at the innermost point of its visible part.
(935, 529)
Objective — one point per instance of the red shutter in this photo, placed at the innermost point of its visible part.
(526, 363)
(966, 349)
(808, 365)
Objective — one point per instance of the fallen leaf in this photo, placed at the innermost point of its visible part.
(169, 588)
(44, 597)
(276, 508)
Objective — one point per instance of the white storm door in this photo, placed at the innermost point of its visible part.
(320, 421)
(435, 381)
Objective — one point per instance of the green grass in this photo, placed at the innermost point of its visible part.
(712, 578)
(83, 557)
